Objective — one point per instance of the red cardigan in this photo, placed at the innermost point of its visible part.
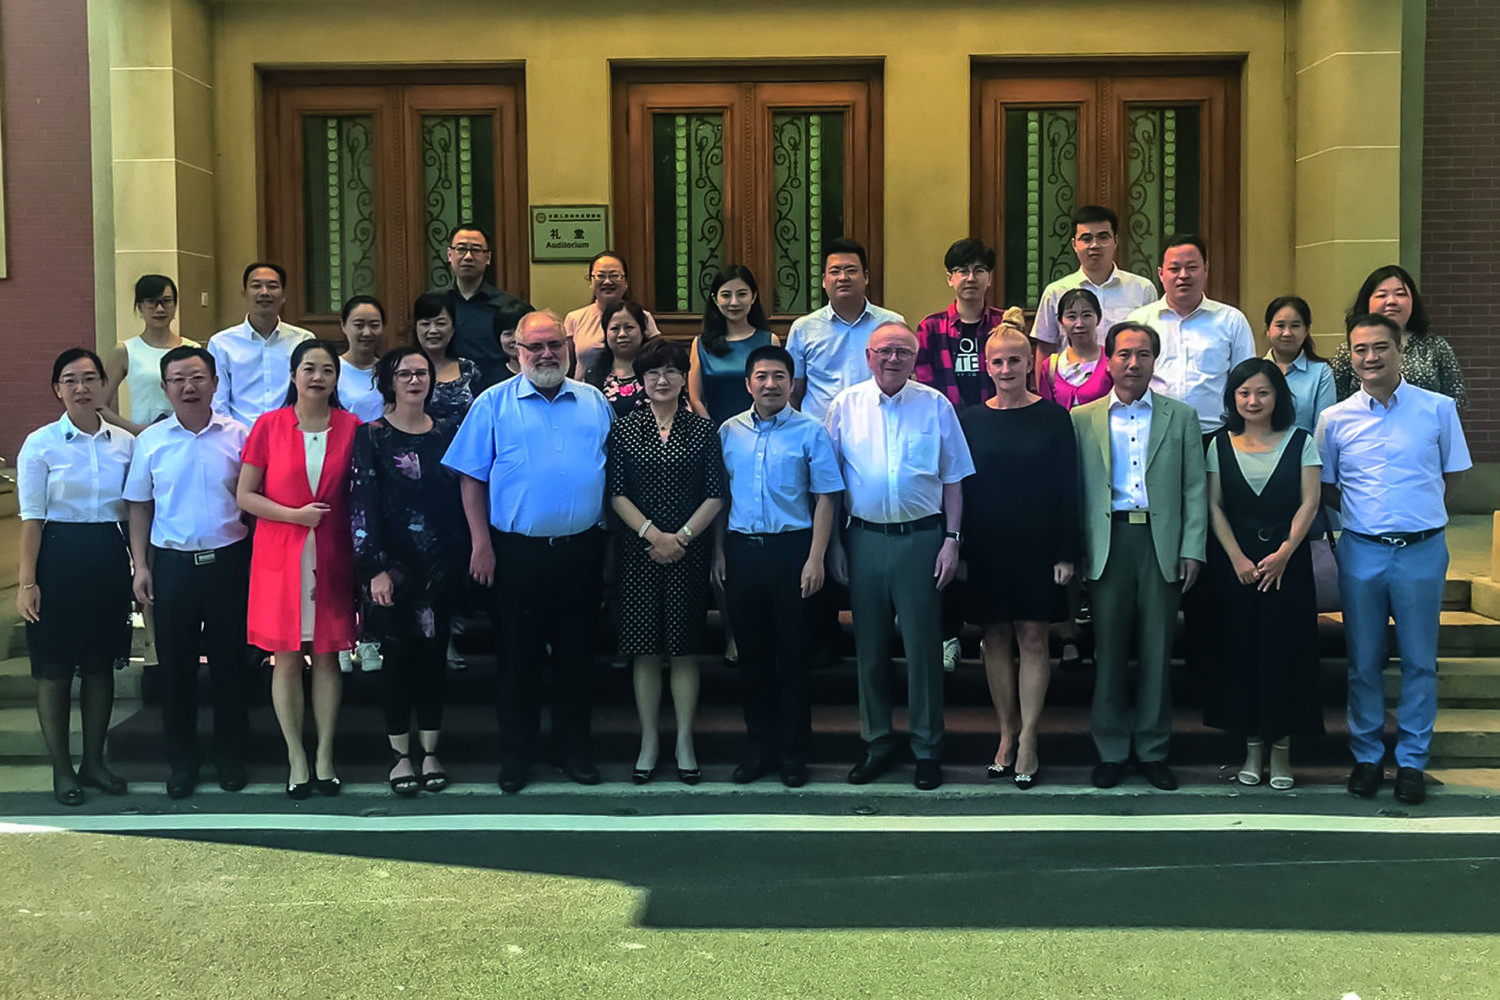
(275, 620)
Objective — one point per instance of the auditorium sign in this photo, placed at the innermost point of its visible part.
(568, 232)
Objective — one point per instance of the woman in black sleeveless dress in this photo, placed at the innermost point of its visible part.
(1263, 488)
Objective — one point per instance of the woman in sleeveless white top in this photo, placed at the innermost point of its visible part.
(136, 363)
(363, 324)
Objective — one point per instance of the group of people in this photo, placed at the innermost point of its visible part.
(280, 495)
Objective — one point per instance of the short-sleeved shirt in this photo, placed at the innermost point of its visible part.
(584, 328)
(192, 479)
(542, 459)
(1121, 294)
(830, 353)
(897, 452)
(1197, 352)
(63, 474)
(1389, 460)
(1311, 383)
(254, 371)
(773, 466)
(358, 393)
(1258, 466)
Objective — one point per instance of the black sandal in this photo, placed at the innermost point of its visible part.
(433, 781)
(406, 785)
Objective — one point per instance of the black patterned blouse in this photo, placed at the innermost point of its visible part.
(450, 400)
(1429, 362)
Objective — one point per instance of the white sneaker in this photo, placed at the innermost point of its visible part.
(346, 662)
(951, 655)
(367, 655)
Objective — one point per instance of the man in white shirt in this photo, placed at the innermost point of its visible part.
(1095, 240)
(903, 457)
(1390, 453)
(1201, 340)
(254, 359)
(828, 346)
(1145, 530)
(196, 570)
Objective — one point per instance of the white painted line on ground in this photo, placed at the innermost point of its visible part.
(752, 823)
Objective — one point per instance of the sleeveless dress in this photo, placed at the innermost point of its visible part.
(724, 392)
(143, 380)
(1263, 676)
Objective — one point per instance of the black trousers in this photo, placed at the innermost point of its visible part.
(546, 592)
(414, 675)
(763, 591)
(201, 600)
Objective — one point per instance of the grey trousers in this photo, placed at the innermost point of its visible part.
(894, 573)
(1131, 596)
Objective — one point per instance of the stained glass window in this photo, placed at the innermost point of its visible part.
(1161, 181)
(339, 207)
(807, 203)
(688, 202)
(1041, 170)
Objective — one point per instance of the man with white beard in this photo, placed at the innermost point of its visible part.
(530, 454)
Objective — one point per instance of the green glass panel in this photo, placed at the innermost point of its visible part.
(1162, 181)
(687, 175)
(1041, 191)
(807, 203)
(338, 210)
(458, 185)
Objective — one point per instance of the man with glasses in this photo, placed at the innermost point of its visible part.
(196, 569)
(531, 458)
(1095, 240)
(254, 359)
(481, 312)
(828, 346)
(903, 458)
(950, 344)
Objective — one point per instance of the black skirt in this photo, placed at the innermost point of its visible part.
(83, 572)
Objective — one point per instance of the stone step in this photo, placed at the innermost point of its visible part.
(1460, 633)
(18, 690)
(1457, 594)
(21, 736)
(1466, 737)
(1462, 683)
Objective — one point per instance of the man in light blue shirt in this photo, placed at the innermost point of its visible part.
(828, 346)
(768, 554)
(254, 359)
(531, 457)
(1390, 453)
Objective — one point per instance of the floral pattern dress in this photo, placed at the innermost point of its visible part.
(408, 521)
(451, 400)
(624, 394)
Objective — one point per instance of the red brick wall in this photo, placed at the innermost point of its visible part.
(1461, 201)
(47, 300)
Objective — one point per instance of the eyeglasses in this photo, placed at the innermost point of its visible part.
(165, 302)
(1095, 239)
(608, 275)
(178, 381)
(977, 271)
(72, 381)
(844, 272)
(411, 374)
(469, 250)
(661, 375)
(893, 353)
(555, 346)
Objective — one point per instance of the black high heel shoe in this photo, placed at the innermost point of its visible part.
(689, 775)
(299, 792)
(109, 784)
(642, 775)
(327, 786)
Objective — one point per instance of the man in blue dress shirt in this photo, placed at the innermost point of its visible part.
(768, 554)
(531, 456)
(1390, 453)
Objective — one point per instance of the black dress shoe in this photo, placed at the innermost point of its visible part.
(180, 784)
(1159, 774)
(579, 771)
(872, 767)
(513, 774)
(109, 784)
(232, 779)
(929, 774)
(749, 770)
(1365, 779)
(67, 795)
(793, 774)
(1108, 774)
(1411, 786)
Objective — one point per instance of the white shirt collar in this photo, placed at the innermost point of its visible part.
(1115, 400)
(70, 431)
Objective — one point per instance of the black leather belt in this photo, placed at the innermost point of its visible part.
(1130, 516)
(763, 539)
(200, 557)
(553, 541)
(1397, 539)
(929, 523)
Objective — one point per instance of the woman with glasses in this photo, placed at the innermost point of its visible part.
(666, 482)
(295, 482)
(136, 363)
(74, 580)
(432, 331)
(411, 557)
(734, 324)
(609, 284)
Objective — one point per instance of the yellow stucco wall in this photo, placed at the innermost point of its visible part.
(927, 47)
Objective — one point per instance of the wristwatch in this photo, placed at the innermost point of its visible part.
(957, 536)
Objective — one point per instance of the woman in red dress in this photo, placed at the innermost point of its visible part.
(302, 565)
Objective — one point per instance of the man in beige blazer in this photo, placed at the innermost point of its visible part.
(1145, 525)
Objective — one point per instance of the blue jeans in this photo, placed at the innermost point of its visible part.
(1376, 582)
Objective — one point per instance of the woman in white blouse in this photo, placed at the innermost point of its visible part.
(74, 573)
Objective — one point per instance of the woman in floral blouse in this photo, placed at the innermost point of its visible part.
(613, 369)
(1429, 360)
(411, 555)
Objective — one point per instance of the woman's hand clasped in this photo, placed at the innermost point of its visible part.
(665, 548)
(381, 589)
(1271, 568)
(1246, 571)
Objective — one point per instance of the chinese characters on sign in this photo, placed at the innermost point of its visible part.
(568, 232)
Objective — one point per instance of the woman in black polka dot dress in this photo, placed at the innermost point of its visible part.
(667, 483)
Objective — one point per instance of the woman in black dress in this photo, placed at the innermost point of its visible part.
(74, 577)
(1263, 490)
(411, 554)
(667, 482)
(1021, 538)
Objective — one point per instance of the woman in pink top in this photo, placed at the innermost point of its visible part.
(1076, 374)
